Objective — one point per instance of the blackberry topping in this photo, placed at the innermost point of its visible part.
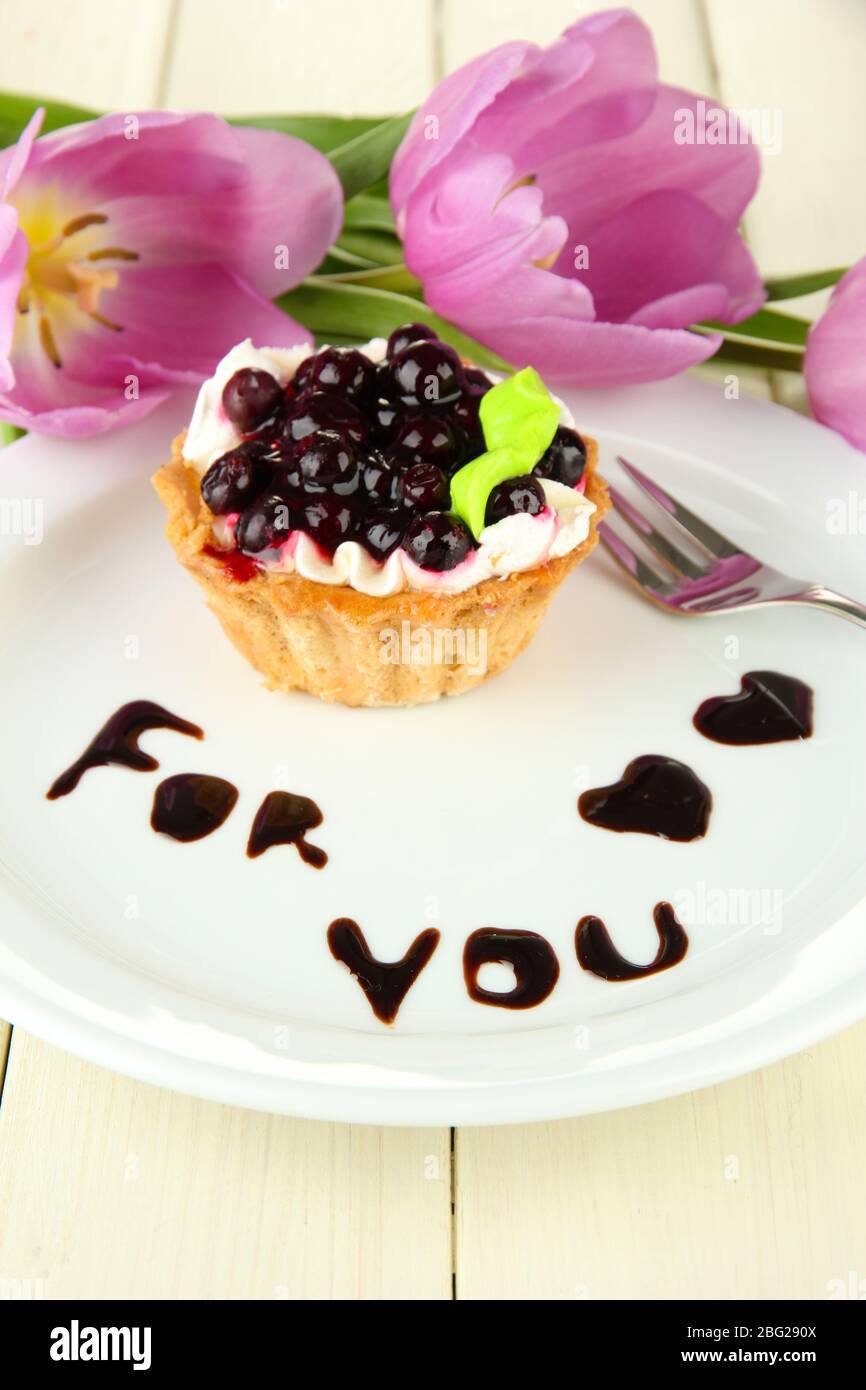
(427, 439)
(385, 422)
(424, 488)
(234, 480)
(564, 460)
(380, 480)
(301, 380)
(408, 334)
(427, 374)
(327, 464)
(437, 541)
(342, 370)
(265, 523)
(523, 494)
(323, 410)
(352, 449)
(250, 397)
(382, 532)
(477, 382)
(468, 432)
(329, 520)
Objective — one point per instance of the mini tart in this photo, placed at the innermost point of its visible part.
(328, 640)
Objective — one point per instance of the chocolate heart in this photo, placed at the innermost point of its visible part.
(655, 796)
(768, 708)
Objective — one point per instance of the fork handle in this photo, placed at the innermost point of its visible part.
(816, 596)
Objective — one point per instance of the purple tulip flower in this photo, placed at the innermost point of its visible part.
(569, 211)
(835, 361)
(135, 250)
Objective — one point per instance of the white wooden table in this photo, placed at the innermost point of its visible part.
(753, 1189)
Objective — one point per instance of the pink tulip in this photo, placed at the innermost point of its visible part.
(136, 250)
(526, 155)
(835, 362)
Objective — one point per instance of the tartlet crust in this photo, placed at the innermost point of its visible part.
(327, 639)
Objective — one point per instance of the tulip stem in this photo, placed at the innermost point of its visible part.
(354, 311)
(385, 277)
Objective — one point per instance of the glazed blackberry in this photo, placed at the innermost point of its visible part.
(323, 410)
(382, 531)
(250, 397)
(424, 488)
(328, 465)
(265, 523)
(380, 480)
(427, 374)
(477, 382)
(235, 479)
(564, 460)
(466, 424)
(329, 520)
(344, 371)
(437, 541)
(406, 335)
(523, 494)
(427, 439)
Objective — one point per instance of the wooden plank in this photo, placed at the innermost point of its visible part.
(804, 61)
(279, 55)
(677, 26)
(748, 1190)
(111, 1188)
(101, 53)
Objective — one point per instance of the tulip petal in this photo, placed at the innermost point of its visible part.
(13, 161)
(565, 225)
(588, 190)
(177, 322)
(180, 188)
(13, 259)
(658, 246)
(596, 82)
(448, 114)
(835, 361)
(535, 318)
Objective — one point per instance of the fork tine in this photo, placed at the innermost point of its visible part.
(636, 568)
(712, 541)
(682, 564)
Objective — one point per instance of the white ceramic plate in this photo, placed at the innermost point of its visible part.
(193, 967)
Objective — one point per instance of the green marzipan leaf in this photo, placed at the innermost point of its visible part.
(358, 312)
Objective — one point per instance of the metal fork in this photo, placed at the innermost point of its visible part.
(723, 580)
